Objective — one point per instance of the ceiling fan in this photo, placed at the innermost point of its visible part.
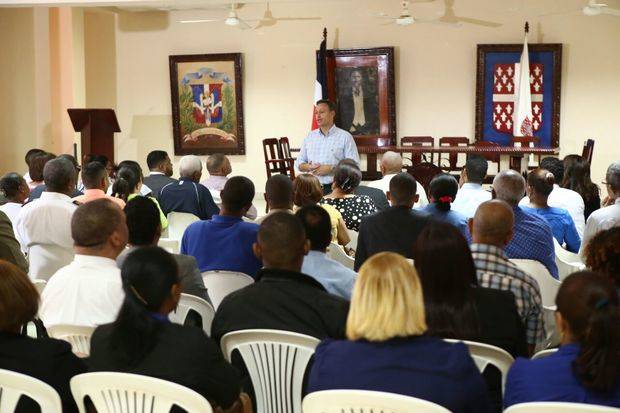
(596, 9)
(269, 20)
(405, 18)
(232, 20)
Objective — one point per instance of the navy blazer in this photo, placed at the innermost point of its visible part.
(187, 196)
(424, 367)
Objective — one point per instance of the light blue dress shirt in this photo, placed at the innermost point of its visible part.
(335, 277)
(328, 149)
(469, 198)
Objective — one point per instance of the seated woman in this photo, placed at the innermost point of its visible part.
(307, 190)
(586, 368)
(443, 189)
(387, 349)
(127, 186)
(602, 254)
(16, 191)
(45, 359)
(142, 340)
(352, 207)
(577, 178)
(539, 186)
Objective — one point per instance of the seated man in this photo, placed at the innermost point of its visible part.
(282, 298)
(187, 195)
(278, 195)
(43, 226)
(397, 228)
(30, 155)
(471, 194)
(225, 241)
(335, 277)
(95, 180)
(491, 230)
(160, 168)
(89, 291)
(144, 230)
(532, 237)
(392, 164)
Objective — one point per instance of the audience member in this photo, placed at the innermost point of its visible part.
(491, 230)
(352, 207)
(28, 159)
(392, 164)
(128, 185)
(335, 277)
(539, 185)
(95, 181)
(443, 189)
(577, 178)
(88, 291)
(45, 359)
(377, 195)
(387, 348)
(144, 230)
(16, 191)
(602, 255)
(278, 195)
(160, 171)
(532, 236)
(608, 216)
(471, 194)
(187, 195)
(137, 169)
(35, 167)
(9, 246)
(307, 190)
(586, 368)
(282, 298)
(36, 192)
(43, 226)
(395, 229)
(142, 340)
(225, 241)
(562, 197)
(102, 159)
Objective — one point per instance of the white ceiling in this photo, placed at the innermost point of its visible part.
(139, 4)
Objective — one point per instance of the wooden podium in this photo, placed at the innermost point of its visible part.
(97, 127)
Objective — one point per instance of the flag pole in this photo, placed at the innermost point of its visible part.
(325, 33)
(527, 27)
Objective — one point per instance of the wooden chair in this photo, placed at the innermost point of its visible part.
(588, 150)
(424, 173)
(528, 142)
(452, 157)
(276, 162)
(419, 141)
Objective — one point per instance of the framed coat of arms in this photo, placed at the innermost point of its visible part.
(207, 104)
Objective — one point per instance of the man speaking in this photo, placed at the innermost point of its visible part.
(324, 147)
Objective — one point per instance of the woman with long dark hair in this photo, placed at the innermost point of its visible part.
(443, 189)
(586, 368)
(577, 178)
(142, 340)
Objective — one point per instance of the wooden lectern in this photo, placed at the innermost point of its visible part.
(97, 127)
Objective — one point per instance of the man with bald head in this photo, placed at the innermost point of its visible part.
(491, 230)
(89, 291)
(392, 164)
(532, 237)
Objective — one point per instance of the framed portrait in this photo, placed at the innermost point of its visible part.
(497, 70)
(361, 83)
(207, 104)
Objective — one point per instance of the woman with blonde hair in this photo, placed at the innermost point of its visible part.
(387, 349)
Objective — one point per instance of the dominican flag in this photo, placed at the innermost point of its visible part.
(320, 84)
(523, 108)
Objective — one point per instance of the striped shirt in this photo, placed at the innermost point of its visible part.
(494, 270)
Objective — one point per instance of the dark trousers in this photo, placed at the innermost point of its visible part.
(327, 189)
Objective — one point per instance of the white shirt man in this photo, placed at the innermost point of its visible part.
(392, 164)
(469, 198)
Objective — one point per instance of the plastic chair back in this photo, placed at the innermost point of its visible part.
(567, 262)
(190, 302)
(39, 285)
(77, 336)
(544, 353)
(364, 401)
(353, 236)
(548, 285)
(14, 385)
(221, 283)
(336, 253)
(276, 361)
(558, 407)
(170, 245)
(132, 393)
(45, 259)
(178, 223)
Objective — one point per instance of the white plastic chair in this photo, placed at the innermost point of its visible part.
(39, 285)
(178, 222)
(276, 361)
(353, 236)
(132, 393)
(558, 407)
(548, 285)
(14, 385)
(485, 354)
(544, 353)
(44, 260)
(221, 283)
(336, 253)
(567, 262)
(77, 336)
(191, 302)
(170, 245)
(364, 401)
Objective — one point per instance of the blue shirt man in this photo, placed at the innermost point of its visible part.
(562, 226)
(324, 147)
